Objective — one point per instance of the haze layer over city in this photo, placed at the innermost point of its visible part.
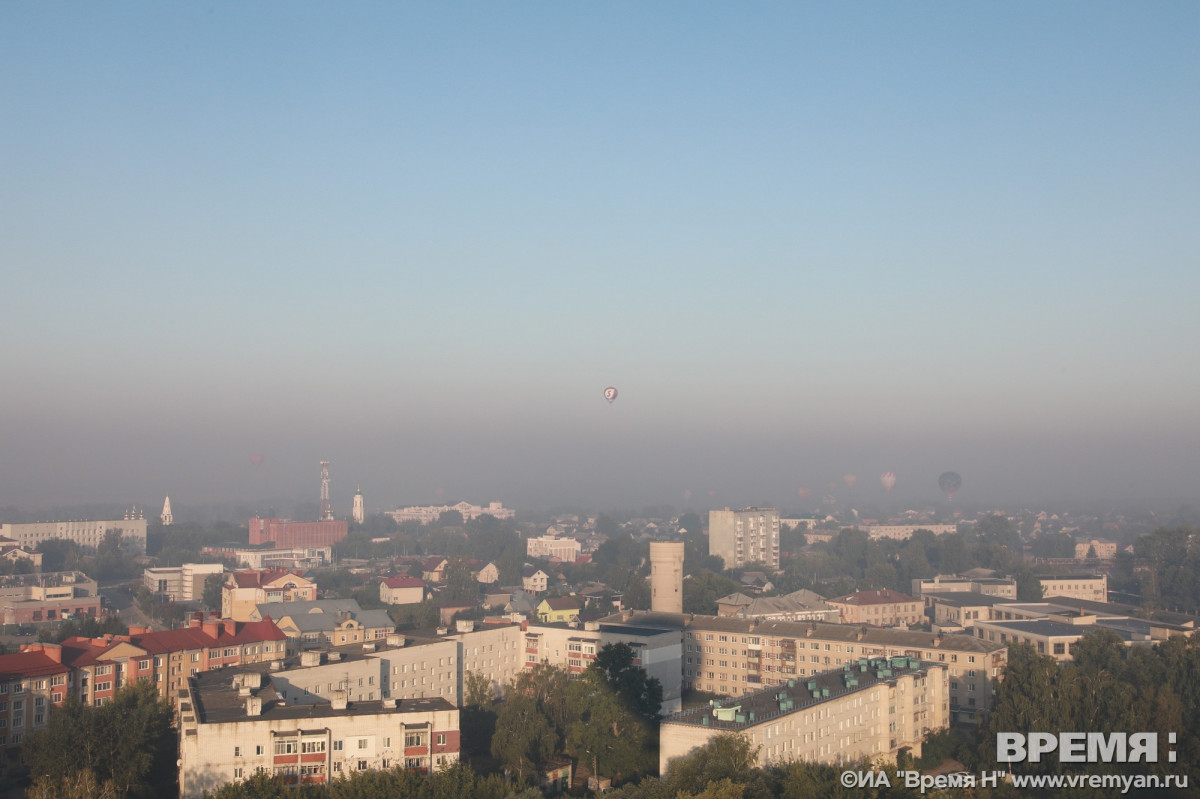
(419, 241)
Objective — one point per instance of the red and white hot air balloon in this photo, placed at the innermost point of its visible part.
(610, 394)
(803, 492)
(889, 481)
(849, 480)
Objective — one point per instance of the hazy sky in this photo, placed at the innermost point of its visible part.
(419, 240)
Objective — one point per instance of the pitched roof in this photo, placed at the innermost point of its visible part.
(884, 596)
(404, 581)
(562, 603)
(29, 664)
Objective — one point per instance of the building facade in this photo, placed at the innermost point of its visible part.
(882, 608)
(284, 533)
(232, 726)
(431, 513)
(180, 583)
(89, 534)
(868, 712)
(1092, 587)
(743, 537)
(244, 591)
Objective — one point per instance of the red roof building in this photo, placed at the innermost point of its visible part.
(31, 682)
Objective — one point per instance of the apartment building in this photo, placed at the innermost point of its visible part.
(90, 534)
(426, 514)
(243, 591)
(869, 710)
(1092, 587)
(731, 657)
(882, 608)
(31, 682)
(234, 725)
(743, 537)
(100, 666)
(902, 532)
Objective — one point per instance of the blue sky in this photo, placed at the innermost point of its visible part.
(420, 239)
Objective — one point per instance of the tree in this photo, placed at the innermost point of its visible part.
(637, 594)
(639, 693)
(461, 585)
(613, 740)
(80, 784)
(477, 690)
(524, 737)
(700, 593)
(126, 742)
(212, 591)
(728, 756)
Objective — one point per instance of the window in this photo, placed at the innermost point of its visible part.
(362, 743)
(441, 739)
(237, 751)
(258, 750)
(311, 747)
(286, 747)
(237, 773)
(412, 739)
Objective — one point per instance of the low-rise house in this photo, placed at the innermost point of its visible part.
(13, 551)
(534, 580)
(489, 574)
(401, 590)
(558, 609)
(433, 570)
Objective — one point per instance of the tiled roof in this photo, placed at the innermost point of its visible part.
(562, 603)
(29, 664)
(404, 582)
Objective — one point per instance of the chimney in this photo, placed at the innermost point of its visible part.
(211, 628)
(52, 652)
(339, 700)
(254, 706)
(230, 627)
(138, 630)
(193, 622)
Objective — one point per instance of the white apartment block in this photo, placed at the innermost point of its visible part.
(868, 711)
(743, 537)
(565, 549)
(431, 513)
(1092, 587)
(84, 533)
(902, 532)
(232, 726)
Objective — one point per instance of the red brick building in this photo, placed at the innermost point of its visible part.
(285, 533)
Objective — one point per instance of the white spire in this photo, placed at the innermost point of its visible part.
(357, 513)
(167, 519)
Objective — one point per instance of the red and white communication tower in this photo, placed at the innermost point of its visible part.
(326, 507)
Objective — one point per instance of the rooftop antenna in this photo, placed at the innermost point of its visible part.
(326, 508)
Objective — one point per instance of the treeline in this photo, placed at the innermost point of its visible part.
(853, 561)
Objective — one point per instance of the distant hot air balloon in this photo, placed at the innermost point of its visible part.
(849, 480)
(803, 492)
(710, 493)
(610, 394)
(889, 481)
(256, 460)
(950, 482)
(687, 494)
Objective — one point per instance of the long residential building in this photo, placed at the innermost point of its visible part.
(31, 682)
(234, 725)
(869, 710)
(285, 533)
(297, 557)
(431, 513)
(100, 666)
(90, 534)
(731, 657)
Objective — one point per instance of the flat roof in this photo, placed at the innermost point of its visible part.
(217, 701)
(961, 599)
(797, 695)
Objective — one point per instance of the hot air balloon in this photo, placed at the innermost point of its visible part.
(803, 492)
(687, 494)
(849, 480)
(610, 394)
(950, 482)
(889, 481)
(256, 460)
(710, 493)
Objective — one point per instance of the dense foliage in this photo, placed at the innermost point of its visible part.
(125, 746)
